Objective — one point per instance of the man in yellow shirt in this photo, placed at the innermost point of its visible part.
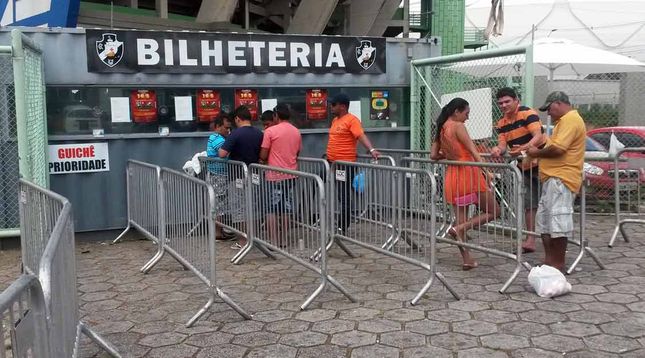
(561, 162)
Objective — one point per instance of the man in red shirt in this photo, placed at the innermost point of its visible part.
(280, 147)
(345, 131)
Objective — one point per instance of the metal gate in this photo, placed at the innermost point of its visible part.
(23, 125)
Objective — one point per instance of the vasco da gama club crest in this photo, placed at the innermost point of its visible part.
(109, 49)
(366, 54)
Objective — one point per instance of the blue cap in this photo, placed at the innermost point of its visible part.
(340, 98)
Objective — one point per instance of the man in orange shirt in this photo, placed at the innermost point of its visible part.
(345, 131)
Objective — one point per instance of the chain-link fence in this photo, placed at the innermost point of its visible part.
(610, 103)
(475, 77)
(9, 211)
(23, 125)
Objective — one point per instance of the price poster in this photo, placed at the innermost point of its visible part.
(209, 105)
(316, 104)
(144, 106)
(248, 98)
(380, 106)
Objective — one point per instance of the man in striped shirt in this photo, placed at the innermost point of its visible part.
(517, 130)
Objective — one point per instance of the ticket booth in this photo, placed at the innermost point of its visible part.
(150, 95)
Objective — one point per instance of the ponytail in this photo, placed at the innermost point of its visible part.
(456, 104)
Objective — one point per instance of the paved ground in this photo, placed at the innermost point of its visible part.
(144, 315)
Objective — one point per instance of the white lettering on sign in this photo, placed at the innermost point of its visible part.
(147, 52)
(240, 53)
(78, 158)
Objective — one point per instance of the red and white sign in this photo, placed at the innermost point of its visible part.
(208, 105)
(79, 158)
(316, 104)
(248, 98)
(144, 106)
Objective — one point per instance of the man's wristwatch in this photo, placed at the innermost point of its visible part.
(372, 150)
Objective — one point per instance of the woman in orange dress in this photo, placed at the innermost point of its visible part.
(463, 185)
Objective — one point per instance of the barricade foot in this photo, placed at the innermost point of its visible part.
(247, 248)
(199, 313)
(122, 234)
(153, 261)
(510, 280)
(345, 248)
(100, 341)
(313, 296)
(233, 304)
(426, 287)
(341, 288)
(447, 285)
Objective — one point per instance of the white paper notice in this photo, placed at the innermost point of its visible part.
(268, 104)
(183, 108)
(120, 109)
(479, 124)
(355, 109)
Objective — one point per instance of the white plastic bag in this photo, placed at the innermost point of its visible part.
(614, 145)
(547, 281)
(192, 167)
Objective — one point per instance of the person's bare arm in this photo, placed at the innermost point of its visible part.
(264, 155)
(368, 145)
(551, 151)
(536, 141)
(222, 153)
(435, 152)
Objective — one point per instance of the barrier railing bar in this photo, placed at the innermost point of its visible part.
(620, 223)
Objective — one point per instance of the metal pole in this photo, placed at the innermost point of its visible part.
(406, 18)
(529, 78)
(246, 14)
(21, 103)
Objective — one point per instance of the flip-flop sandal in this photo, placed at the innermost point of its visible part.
(468, 267)
(226, 237)
(527, 250)
(236, 246)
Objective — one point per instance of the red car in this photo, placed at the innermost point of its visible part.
(631, 172)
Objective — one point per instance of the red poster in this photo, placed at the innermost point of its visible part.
(248, 98)
(144, 106)
(316, 104)
(208, 105)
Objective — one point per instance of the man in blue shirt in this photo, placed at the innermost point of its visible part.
(216, 175)
(243, 145)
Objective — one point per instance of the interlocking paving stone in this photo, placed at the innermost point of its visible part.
(375, 351)
(475, 328)
(402, 339)
(333, 326)
(353, 339)
(558, 343)
(379, 326)
(603, 317)
(481, 353)
(504, 341)
(222, 350)
(427, 351)
(615, 344)
(303, 339)
(162, 339)
(273, 351)
(326, 351)
(454, 341)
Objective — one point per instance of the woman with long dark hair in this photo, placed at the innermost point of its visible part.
(463, 185)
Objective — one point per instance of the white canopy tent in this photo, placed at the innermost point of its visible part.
(616, 26)
(555, 57)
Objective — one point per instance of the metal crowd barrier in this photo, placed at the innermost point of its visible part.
(188, 211)
(625, 177)
(496, 231)
(142, 185)
(229, 180)
(283, 198)
(399, 154)
(23, 320)
(387, 226)
(47, 233)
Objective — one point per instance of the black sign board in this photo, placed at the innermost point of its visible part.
(111, 51)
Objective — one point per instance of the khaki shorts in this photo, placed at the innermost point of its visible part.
(555, 210)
